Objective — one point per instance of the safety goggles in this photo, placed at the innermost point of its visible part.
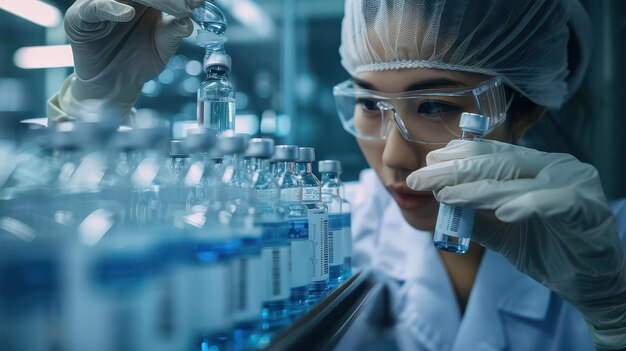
(421, 116)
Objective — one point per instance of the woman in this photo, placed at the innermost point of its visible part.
(544, 213)
(546, 262)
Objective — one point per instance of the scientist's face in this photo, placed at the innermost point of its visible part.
(395, 158)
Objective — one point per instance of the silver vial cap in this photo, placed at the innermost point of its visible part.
(200, 139)
(177, 149)
(326, 166)
(287, 153)
(217, 60)
(307, 154)
(230, 143)
(260, 148)
(474, 123)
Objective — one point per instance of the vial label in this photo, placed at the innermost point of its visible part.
(171, 323)
(97, 315)
(335, 238)
(275, 234)
(276, 263)
(249, 278)
(455, 221)
(318, 236)
(300, 252)
(347, 234)
(212, 287)
(290, 195)
(311, 193)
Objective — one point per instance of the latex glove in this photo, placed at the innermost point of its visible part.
(547, 214)
(117, 47)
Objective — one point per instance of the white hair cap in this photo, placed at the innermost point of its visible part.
(523, 41)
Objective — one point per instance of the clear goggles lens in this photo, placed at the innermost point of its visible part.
(425, 116)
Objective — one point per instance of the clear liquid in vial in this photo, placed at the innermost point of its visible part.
(218, 115)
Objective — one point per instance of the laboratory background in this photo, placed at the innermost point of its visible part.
(285, 63)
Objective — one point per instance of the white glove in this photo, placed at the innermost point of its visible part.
(118, 46)
(551, 221)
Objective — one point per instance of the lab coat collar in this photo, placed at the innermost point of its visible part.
(499, 292)
(511, 293)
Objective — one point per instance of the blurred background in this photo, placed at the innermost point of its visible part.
(285, 63)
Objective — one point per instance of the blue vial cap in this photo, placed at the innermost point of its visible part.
(474, 123)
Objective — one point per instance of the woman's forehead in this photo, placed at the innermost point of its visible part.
(400, 80)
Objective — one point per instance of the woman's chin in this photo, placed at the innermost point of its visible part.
(425, 219)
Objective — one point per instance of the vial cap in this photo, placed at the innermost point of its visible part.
(260, 147)
(474, 123)
(217, 60)
(230, 143)
(306, 154)
(177, 149)
(200, 139)
(287, 153)
(329, 166)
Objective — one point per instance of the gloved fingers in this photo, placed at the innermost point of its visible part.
(460, 149)
(169, 33)
(519, 199)
(543, 203)
(176, 8)
(494, 234)
(505, 165)
(566, 203)
(105, 10)
(486, 193)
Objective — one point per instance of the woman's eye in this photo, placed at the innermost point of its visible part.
(367, 104)
(436, 108)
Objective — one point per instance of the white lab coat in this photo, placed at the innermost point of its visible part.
(506, 310)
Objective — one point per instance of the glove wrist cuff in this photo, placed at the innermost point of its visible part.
(88, 101)
(608, 339)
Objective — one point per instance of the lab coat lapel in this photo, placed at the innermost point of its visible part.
(424, 304)
(501, 299)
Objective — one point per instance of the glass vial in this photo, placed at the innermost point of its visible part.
(453, 230)
(216, 96)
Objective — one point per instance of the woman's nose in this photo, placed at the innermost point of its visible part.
(400, 154)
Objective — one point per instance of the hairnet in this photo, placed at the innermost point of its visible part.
(523, 41)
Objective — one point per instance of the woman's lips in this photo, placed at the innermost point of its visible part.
(408, 199)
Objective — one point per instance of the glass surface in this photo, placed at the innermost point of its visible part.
(210, 17)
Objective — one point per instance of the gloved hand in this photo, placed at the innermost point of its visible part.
(547, 214)
(118, 46)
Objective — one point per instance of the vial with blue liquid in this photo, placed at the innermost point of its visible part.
(248, 269)
(317, 213)
(299, 243)
(330, 195)
(214, 246)
(272, 220)
(453, 230)
(333, 194)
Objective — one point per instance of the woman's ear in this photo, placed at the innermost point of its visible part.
(523, 123)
